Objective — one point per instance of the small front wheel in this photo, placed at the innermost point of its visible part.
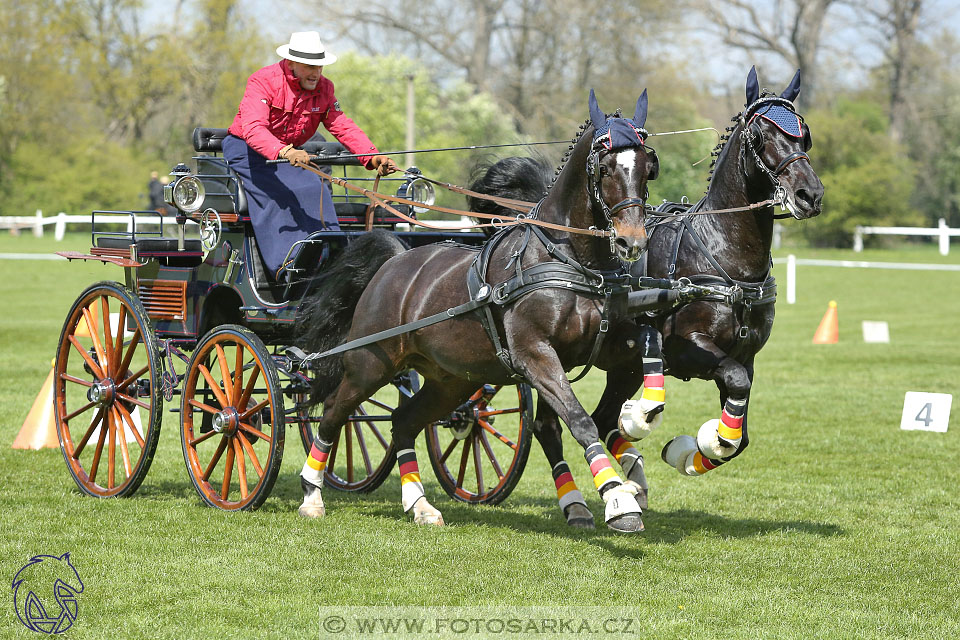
(232, 419)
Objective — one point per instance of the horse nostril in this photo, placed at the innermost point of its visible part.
(622, 245)
(804, 196)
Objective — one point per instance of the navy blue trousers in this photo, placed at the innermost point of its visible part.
(286, 204)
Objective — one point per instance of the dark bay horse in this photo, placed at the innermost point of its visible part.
(763, 158)
(550, 300)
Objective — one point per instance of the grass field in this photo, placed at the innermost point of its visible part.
(833, 524)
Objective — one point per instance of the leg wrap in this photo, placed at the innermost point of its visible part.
(313, 468)
(410, 488)
(567, 492)
(604, 477)
(721, 438)
(682, 454)
(628, 457)
(639, 417)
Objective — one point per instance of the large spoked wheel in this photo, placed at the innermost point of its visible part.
(479, 452)
(363, 456)
(232, 419)
(107, 397)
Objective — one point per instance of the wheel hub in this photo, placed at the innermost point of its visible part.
(102, 393)
(226, 421)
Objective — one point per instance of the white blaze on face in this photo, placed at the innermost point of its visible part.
(627, 159)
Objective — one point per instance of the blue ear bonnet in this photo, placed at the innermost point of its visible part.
(783, 117)
(619, 133)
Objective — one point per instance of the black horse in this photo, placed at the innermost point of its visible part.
(540, 292)
(715, 338)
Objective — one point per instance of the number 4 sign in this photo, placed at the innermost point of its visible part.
(926, 411)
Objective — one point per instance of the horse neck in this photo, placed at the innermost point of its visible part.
(568, 203)
(739, 241)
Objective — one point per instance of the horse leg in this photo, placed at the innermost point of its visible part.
(433, 401)
(336, 410)
(640, 417)
(546, 374)
(546, 428)
(719, 440)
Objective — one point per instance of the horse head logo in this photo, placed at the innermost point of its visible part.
(33, 586)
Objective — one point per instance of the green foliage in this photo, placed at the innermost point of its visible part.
(867, 179)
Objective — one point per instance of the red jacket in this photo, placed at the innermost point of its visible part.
(276, 111)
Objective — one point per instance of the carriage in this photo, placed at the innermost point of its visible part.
(199, 324)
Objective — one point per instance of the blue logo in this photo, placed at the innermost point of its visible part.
(45, 593)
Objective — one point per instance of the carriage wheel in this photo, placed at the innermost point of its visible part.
(107, 398)
(363, 456)
(479, 452)
(232, 419)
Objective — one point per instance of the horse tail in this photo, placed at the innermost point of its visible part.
(519, 178)
(325, 316)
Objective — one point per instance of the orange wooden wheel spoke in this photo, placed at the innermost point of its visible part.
(95, 337)
(476, 464)
(227, 473)
(73, 415)
(493, 459)
(132, 377)
(502, 438)
(216, 458)
(499, 412)
(132, 400)
(97, 371)
(249, 429)
(249, 412)
(131, 349)
(202, 438)
(95, 465)
(83, 441)
(463, 463)
(348, 436)
(118, 347)
(111, 451)
(449, 450)
(363, 449)
(70, 378)
(241, 467)
(217, 391)
(130, 423)
(237, 376)
(376, 433)
(225, 377)
(253, 455)
(202, 407)
(124, 452)
(107, 334)
(242, 402)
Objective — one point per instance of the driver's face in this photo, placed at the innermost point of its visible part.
(307, 74)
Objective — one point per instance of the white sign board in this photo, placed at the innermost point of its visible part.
(876, 331)
(926, 411)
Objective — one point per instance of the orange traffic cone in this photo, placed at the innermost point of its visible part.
(829, 330)
(39, 430)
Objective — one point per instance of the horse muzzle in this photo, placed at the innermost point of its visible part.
(628, 244)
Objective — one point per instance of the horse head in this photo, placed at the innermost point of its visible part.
(773, 151)
(619, 165)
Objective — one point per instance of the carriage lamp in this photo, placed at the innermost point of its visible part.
(188, 194)
(418, 190)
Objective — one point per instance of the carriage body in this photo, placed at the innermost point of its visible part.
(199, 317)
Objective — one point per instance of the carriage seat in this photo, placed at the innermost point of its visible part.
(163, 250)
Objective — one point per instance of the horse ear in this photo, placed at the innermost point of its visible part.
(597, 117)
(640, 114)
(753, 86)
(793, 89)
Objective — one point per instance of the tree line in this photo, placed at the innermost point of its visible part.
(94, 94)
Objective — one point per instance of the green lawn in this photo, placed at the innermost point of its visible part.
(833, 524)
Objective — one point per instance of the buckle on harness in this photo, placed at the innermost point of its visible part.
(744, 332)
(604, 326)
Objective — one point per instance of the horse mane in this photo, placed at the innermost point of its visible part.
(718, 150)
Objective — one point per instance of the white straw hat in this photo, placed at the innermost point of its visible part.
(305, 47)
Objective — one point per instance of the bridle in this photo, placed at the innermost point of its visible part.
(751, 140)
(601, 143)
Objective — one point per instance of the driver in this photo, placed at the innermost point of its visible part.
(282, 107)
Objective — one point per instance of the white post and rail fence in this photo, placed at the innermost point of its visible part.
(942, 232)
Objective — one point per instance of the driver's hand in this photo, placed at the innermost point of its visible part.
(383, 165)
(297, 157)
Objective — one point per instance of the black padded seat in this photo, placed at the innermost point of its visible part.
(147, 246)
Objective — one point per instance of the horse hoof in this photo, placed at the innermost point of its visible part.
(639, 492)
(627, 523)
(426, 513)
(638, 418)
(709, 442)
(312, 506)
(579, 516)
(676, 453)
